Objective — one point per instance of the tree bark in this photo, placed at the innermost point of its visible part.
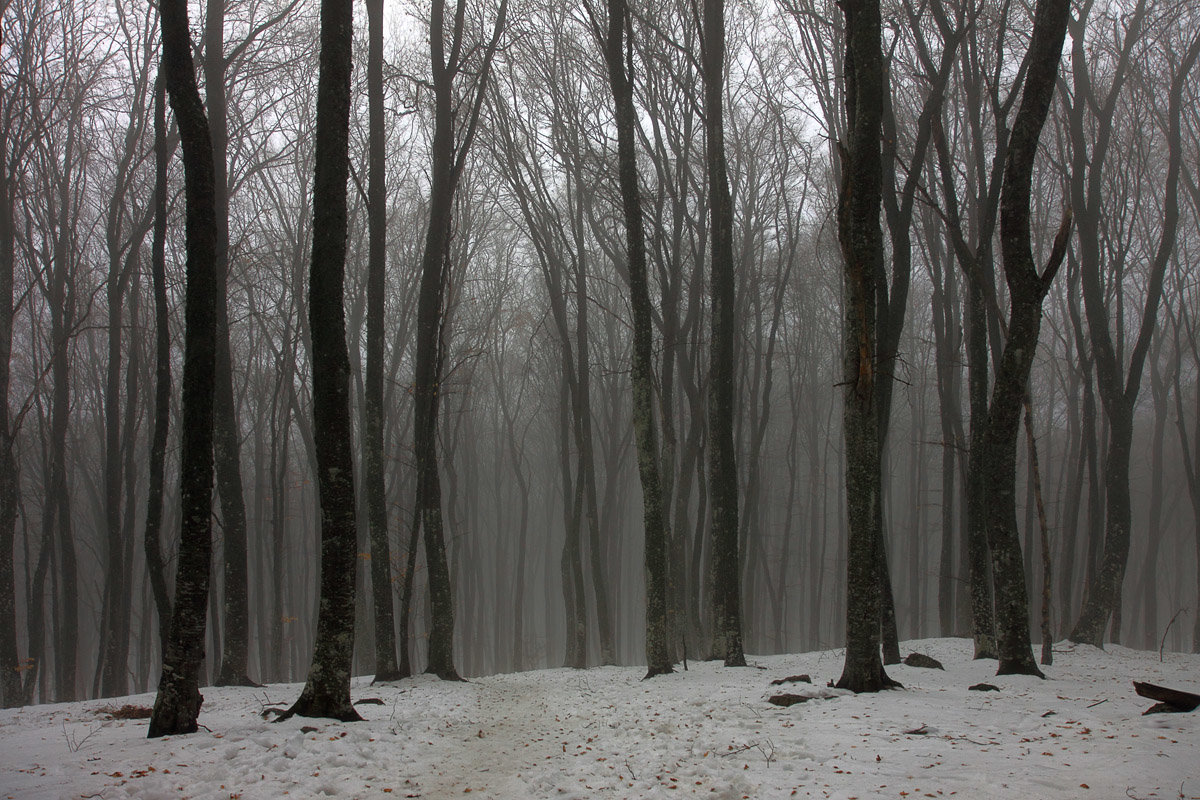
(448, 159)
(1119, 389)
(327, 691)
(722, 465)
(177, 704)
(1027, 289)
(861, 240)
(386, 668)
(162, 373)
(10, 673)
(617, 51)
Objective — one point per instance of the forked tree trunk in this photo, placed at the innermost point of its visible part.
(448, 159)
(1027, 289)
(1119, 389)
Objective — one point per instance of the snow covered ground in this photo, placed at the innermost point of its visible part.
(708, 732)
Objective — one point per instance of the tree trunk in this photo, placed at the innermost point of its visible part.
(861, 240)
(162, 373)
(448, 158)
(1119, 389)
(658, 660)
(177, 705)
(10, 674)
(235, 645)
(1027, 289)
(722, 466)
(386, 668)
(327, 691)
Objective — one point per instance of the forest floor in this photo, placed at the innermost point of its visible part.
(606, 733)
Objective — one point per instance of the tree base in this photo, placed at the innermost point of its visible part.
(985, 647)
(653, 672)
(237, 680)
(871, 680)
(447, 674)
(389, 676)
(735, 660)
(307, 707)
(1024, 665)
(176, 710)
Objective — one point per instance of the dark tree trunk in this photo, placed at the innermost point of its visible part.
(10, 674)
(1118, 389)
(1027, 289)
(162, 373)
(983, 622)
(1154, 521)
(233, 669)
(123, 254)
(429, 354)
(861, 240)
(327, 691)
(1035, 478)
(616, 51)
(722, 466)
(570, 563)
(386, 668)
(891, 301)
(448, 159)
(177, 704)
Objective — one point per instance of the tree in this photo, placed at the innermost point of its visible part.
(1118, 386)
(177, 704)
(11, 147)
(616, 55)
(125, 229)
(386, 668)
(722, 469)
(326, 693)
(1027, 288)
(162, 371)
(233, 669)
(450, 147)
(861, 239)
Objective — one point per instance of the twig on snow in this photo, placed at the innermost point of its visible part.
(74, 743)
(1163, 643)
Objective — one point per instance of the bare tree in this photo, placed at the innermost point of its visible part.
(326, 693)
(722, 467)
(177, 704)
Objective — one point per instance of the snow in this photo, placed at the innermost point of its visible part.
(707, 732)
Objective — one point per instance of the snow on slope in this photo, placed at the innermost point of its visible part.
(605, 733)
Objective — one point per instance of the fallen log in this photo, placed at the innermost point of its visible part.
(1169, 700)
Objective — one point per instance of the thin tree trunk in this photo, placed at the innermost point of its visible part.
(162, 372)
(386, 668)
(658, 660)
(235, 644)
(10, 674)
(1044, 536)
